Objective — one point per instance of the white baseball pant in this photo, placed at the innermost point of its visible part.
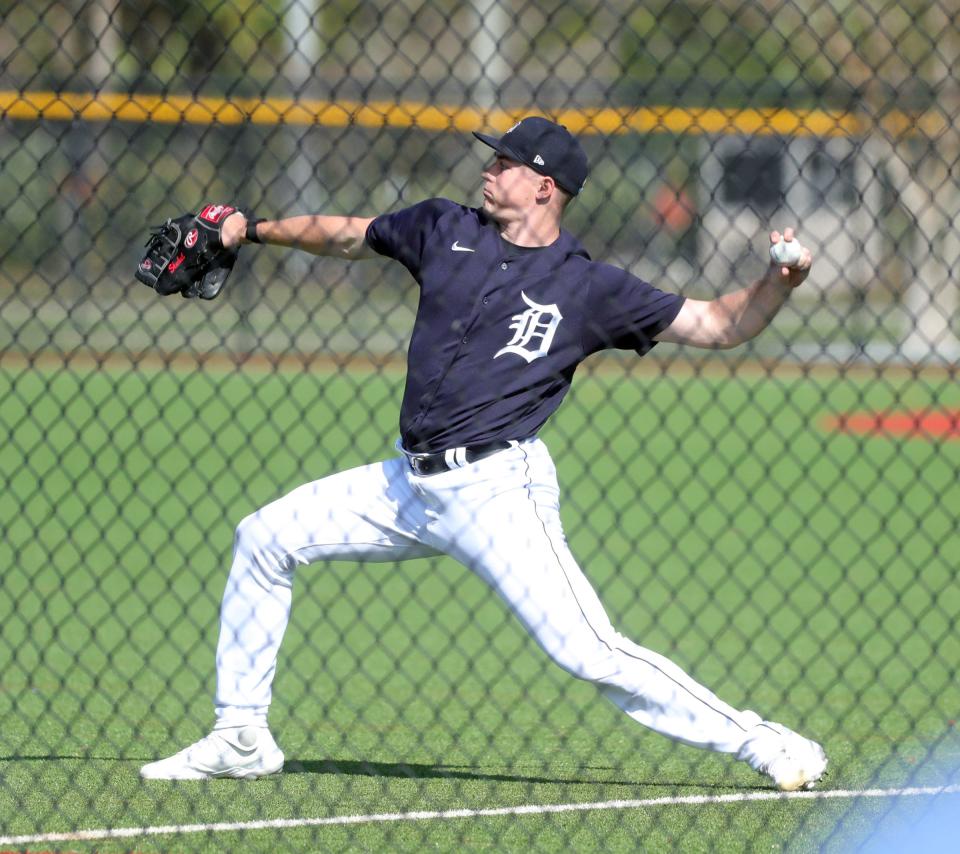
(500, 518)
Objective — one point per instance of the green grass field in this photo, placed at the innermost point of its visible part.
(806, 574)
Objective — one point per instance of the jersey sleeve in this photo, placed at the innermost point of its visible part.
(403, 235)
(624, 312)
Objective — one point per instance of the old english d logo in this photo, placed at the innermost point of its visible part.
(537, 325)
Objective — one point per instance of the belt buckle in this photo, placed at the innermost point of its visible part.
(420, 465)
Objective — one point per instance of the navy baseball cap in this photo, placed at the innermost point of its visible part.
(545, 147)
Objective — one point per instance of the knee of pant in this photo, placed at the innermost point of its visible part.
(245, 537)
(592, 663)
(256, 542)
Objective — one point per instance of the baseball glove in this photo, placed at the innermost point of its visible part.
(186, 255)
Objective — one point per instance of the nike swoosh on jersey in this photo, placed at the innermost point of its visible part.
(456, 247)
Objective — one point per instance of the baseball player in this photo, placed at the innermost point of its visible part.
(510, 304)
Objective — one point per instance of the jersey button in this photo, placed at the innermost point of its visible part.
(486, 300)
(503, 265)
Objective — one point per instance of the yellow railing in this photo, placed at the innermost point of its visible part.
(173, 109)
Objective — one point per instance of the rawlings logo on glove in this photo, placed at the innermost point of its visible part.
(186, 255)
(215, 213)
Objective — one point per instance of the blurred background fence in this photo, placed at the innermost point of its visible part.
(773, 489)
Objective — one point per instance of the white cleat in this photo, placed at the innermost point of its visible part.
(242, 752)
(790, 760)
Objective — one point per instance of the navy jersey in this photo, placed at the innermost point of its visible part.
(500, 329)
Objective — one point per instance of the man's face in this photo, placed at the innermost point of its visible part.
(509, 188)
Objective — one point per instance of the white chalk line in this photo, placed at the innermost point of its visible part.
(441, 815)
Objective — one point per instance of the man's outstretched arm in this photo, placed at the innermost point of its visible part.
(336, 236)
(734, 318)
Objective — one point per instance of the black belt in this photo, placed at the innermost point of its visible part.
(427, 464)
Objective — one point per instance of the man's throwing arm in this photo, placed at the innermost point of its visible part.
(734, 318)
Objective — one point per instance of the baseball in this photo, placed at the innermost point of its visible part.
(786, 253)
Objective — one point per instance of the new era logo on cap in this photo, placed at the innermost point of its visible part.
(537, 142)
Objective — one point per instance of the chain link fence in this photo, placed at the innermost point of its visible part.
(779, 519)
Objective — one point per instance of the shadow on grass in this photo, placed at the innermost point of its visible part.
(419, 771)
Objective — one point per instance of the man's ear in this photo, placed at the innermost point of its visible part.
(546, 188)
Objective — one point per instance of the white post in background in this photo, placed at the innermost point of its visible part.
(931, 297)
(105, 36)
(302, 29)
(494, 21)
(304, 39)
